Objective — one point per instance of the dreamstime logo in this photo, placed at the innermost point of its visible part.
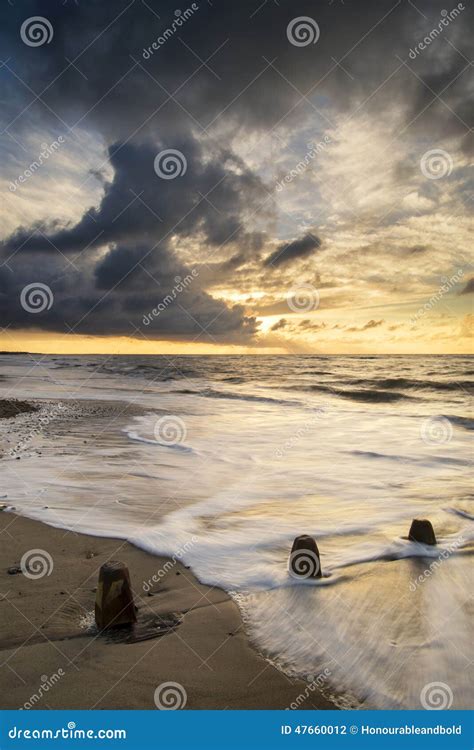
(436, 430)
(36, 31)
(170, 696)
(445, 20)
(302, 31)
(435, 564)
(436, 164)
(443, 289)
(169, 564)
(181, 17)
(436, 696)
(314, 682)
(36, 297)
(170, 430)
(47, 150)
(299, 433)
(46, 684)
(303, 298)
(44, 420)
(302, 165)
(36, 563)
(180, 285)
(303, 563)
(170, 163)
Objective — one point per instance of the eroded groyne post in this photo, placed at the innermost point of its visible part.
(114, 598)
(304, 559)
(421, 530)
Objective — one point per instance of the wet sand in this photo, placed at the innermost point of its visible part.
(47, 635)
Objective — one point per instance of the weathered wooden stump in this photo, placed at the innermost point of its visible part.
(304, 559)
(114, 599)
(421, 530)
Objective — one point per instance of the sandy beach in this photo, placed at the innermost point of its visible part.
(47, 632)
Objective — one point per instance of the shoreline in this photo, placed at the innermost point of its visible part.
(246, 481)
(52, 656)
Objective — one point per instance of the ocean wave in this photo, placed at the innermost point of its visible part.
(464, 422)
(374, 396)
(460, 512)
(160, 373)
(414, 383)
(409, 459)
(208, 393)
(381, 389)
(399, 549)
(370, 396)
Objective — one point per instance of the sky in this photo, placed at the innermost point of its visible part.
(255, 177)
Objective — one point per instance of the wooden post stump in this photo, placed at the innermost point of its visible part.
(114, 599)
(304, 559)
(421, 530)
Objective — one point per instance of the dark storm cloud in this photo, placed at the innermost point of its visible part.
(444, 104)
(228, 68)
(136, 218)
(288, 252)
(245, 78)
(186, 311)
(138, 203)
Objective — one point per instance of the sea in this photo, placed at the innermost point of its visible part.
(221, 461)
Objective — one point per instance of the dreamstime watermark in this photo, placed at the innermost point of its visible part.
(303, 563)
(71, 732)
(436, 696)
(47, 150)
(46, 684)
(303, 298)
(170, 696)
(170, 430)
(36, 563)
(36, 31)
(436, 164)
(302, 31)
(181, 17)
(446, 18)
(169, 564)
(303, 164)
(180, 285)
(299, 434)
(170, 163)
(433, 566)
(443, 289)
(36, 297)
(315, 683)
(44, 420)
(436, 430)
